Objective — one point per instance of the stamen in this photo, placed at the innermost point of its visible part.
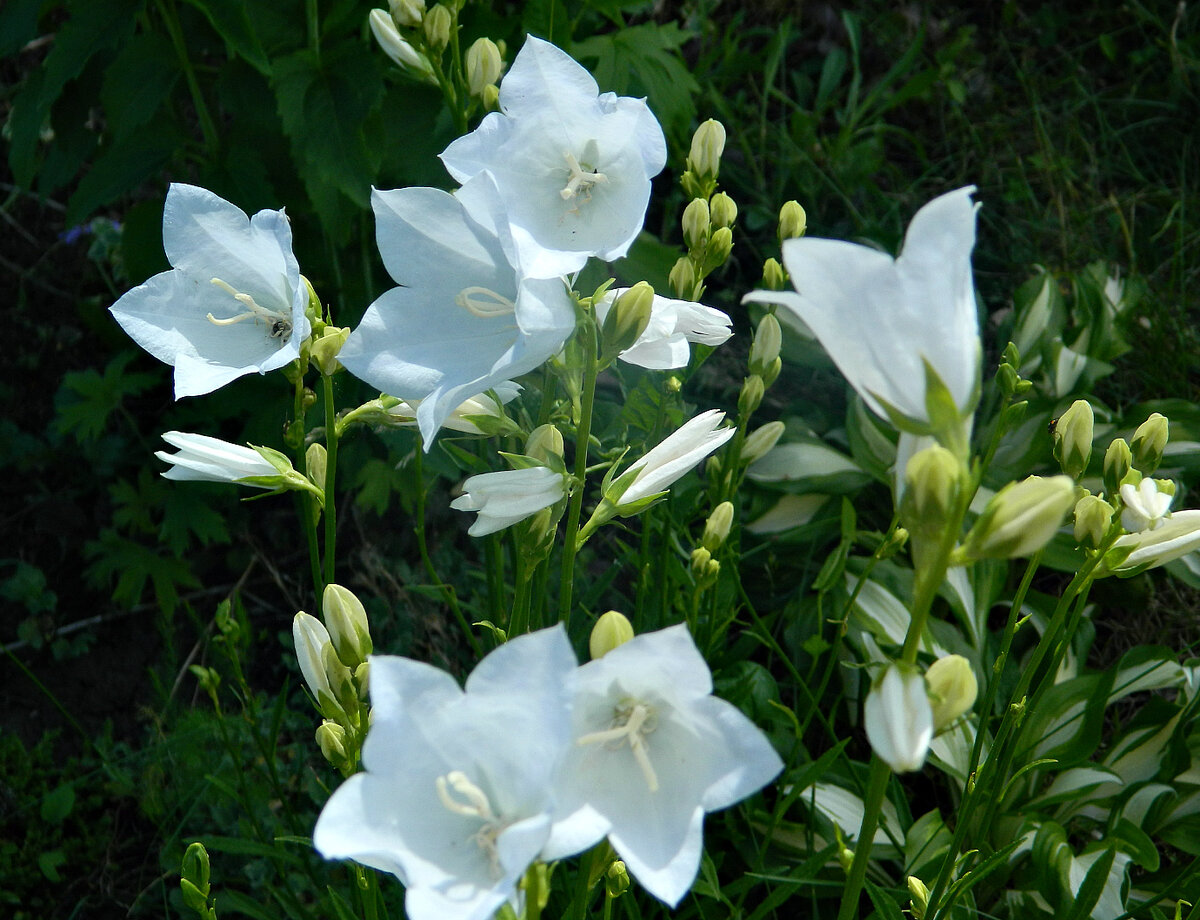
(279, 325)
(580, 179)
(631, 723)
(475, 805)
(484, 302)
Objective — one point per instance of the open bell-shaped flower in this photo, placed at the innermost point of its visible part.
(232, 304)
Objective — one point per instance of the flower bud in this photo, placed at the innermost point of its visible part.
(315, 462)
(696, 223)
(716, 528)
(1145, 505)
(768, 339)
(722, 210)
(1118, 461)
(407, 12)
(704, 567)
(751, 396)
(774, 278)
(931, 485)
(1093, 516)
(194, 878)
(920, 897)
(341, 681)
(491, 98)
(616, 880)
(1021, 518)
(683, 278)
(792, 220)
(331, 738)
(720, 245)
(362, 679)
(310, 638)
(484, 65)
(395, 47)
(437, 24)
(346, 620)
(1073, 438)
(611, 630)
(323, 351)
(760, 441)
(708, 143)
(627, 319)
(1148, 443)
(898, 719)
(543, 443)
(952, 689)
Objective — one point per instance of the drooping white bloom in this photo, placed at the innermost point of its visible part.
(573, 166)
(456, 796)
(653, 751)
(676, 454)
(673, 324)
(508, 496)
(899, 719)
(234, 302)
(1145, 506)
(882, 319)
(208, 459)
(464, 319)
(1135, 552)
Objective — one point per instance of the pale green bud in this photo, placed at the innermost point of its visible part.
(407, 12)
(751, 396)
(484, 65)
(616, 880)
(395, 47)
(768, 339)
(331, 738)
(774, 278)
(1073, 438)
(704, 567)
(362, 679)
(720, 245)
(683, 278)
(722, 210)
(893, 544)
(716, 528)
(1021, 518)
(708, 143)
(1148, 443)
(346, 620)
(1118, 461)
(316, 460)
(544, 442)
(920, 897)
(627, 319)
(323, 350)
(696, 223)
(1093, 515)
(612, 629)
(760, 441)
(952, 689)
(194, 876)
(311, 638)
(931, 485)
(491, 97)
(437, 24)
(792, 220)
(341, 682)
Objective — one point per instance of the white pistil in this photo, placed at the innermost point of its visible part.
(630, 723)
(472, 803)
(580, 179)
(484, 302)
(279, 325)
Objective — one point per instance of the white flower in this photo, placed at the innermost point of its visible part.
(673, 324)
(653, 751)
(677, 454)
(573, 166)
(882, 320)
(234, 302)
(1145, 506)
(310, 637)
(899, 719)
(455, 799)
(479, 415)
(463, 321)
(212, 460)
(506, 497)
(1175, 537)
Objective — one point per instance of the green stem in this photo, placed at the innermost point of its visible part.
(533, 893)
(331, 450)
(873, 808)
(583, 431)
(518, 623)
(313, 22)
(207, 125)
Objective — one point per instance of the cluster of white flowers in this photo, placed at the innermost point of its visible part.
(539, 759)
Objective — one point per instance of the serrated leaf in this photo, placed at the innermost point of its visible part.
(86, 399)
(133, 566)
(189, 519)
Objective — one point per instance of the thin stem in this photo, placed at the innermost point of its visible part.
(583, 431)
(313, 22)
(518, 623)
(207, 125)
(873, 808)
(331, 450)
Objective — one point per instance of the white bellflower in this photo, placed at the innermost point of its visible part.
(673, 325)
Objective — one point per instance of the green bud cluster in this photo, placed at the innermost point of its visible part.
(1073, 438)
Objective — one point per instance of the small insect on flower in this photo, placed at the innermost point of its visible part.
(281, 329)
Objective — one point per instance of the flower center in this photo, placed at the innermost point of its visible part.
(279, 325)
(462, 797)
(580, 179)
(632, 720)
(484, 302)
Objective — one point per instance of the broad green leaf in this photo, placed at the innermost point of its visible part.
(137, 83)
(121, 168)
(229, 18)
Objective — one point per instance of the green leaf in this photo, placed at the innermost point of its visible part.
(86, 399)
(229, 19)
(133, 566)
(1093, 886)
(122, 168)
(885, 904)
(137, 83)
(58, 804)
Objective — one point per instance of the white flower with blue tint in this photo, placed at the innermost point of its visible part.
(464, 319)
(674, 325)
(234, 302)
(573, 166)
(456, 796)
(508, 496)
